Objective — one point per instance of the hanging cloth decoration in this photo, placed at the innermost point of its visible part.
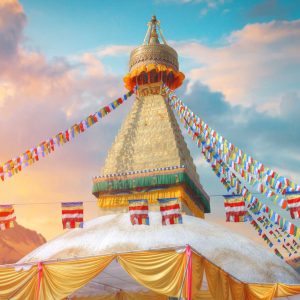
(72, 214)
(235, 208)
(170, 211)
(7, 217)
(13, 166)
(293, 200)
(138, 210)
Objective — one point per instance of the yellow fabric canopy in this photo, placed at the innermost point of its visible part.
(161, 271)
(18, 284)
(61, 279)
(110, 201)
(126, 296)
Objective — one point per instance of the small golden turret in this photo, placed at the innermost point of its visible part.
(154, 62)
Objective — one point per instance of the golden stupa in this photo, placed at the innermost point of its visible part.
(110, 259)
(149, 158)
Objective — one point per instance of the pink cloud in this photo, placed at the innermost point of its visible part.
(252, 66)
(38, 99)
(12, 21)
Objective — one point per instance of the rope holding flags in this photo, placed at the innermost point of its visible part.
(219, 166)
(267, 181)
(230, 181)
(17, 164)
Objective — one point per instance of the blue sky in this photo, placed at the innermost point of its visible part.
(66, 58)
(70, 26)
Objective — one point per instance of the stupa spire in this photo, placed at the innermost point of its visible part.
(154, 33)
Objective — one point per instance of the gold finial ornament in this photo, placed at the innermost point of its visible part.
(154, 61)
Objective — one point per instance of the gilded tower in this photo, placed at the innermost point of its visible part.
(149, 158)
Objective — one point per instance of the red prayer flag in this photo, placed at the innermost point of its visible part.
(7, 217)
(72, 214)
(293, 202)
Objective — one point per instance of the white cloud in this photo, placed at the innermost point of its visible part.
(114, 50)
(38, 99)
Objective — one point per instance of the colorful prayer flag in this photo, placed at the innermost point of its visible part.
(138, 210)
(170, 211)
(278, 253)
(235, 208)
(293, 202)
(7, 217)
(1, 173)
(72, 214)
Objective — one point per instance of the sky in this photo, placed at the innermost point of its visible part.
(62, 60)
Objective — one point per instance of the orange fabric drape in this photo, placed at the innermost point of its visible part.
(260, 291)
(109, 201)
(222, 286)
(237, 289)
(217, 281)
(142, 296)
(287, 290)
(126, 296)
(130, 78)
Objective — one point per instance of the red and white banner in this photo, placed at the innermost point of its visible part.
(72, 214)
(235, 208)
(138, 210)
(293, 201)
(170, 211)
(7, 217)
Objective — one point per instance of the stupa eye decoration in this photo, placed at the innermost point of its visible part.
(153, 63)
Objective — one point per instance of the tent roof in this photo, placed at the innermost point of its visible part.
(237, 255)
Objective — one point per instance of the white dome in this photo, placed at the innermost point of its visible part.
(234, 253)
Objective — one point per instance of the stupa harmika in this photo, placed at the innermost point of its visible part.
(150, 160)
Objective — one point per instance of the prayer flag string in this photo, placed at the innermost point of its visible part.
(15, 165)
(221, 168)
(266, 181)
